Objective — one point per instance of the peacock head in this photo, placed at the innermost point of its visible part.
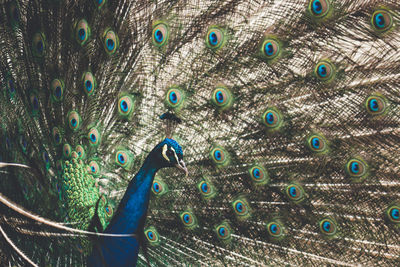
(170, 154)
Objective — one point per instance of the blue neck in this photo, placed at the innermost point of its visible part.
(123, 251)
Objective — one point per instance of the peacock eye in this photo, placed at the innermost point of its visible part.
(381, 20)
(375, 105)
(319, 8)
(241, 208)
(223, 231)
(270, 49)
(57, 89)
(109, 210)
(317, 143)
(45, 157)
(328, 226)
(67, 151)
(122, 158)
(174, 98)
(56, 136)
(393, 213)
(258, 175)
(295, 193)
(324, 71)
(219, 156)
(82, 32)
(88, 83)
(34, 104)
(125, 106)
(111, 42)
(272, 119)
(74, 120)
(152, 236)
(356, 168)
(160, 34)
(159, 188)
(80, 151)
(215, 38)
(222, 98)
(275, 229)
(100, 3)
(94, 136)
(94, 168)
(38, 44)
(188, 219)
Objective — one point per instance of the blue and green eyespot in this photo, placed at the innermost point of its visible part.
(174, 98)
(57, 90)
(152, 236)
(160, 34)
(382, 20)
(206, 188)
(82, 32)
(123, 158)
(295, 193)
(241, 208)
(219, 156)
(275, 229)
(67, 150)
(159, 187)
(88, 83)
(328, 227)
(320, 9)
(272, 119)
(34, 103)
(376, 105)
(188, 219)
(94, 168)
(215, 38)
(325, 71)
(110, 41)
(222, 98)
(317, 143)
(357, 169)
(270, 49)
(94, 136)
(393, 213)
(80, 150)
(74, 120)
(57, 136)
(258, 175)
(223, 231)
(39, 44)
(126, 106)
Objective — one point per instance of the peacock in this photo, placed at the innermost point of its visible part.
(283, 115)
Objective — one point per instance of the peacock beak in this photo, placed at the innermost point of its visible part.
(182, 166)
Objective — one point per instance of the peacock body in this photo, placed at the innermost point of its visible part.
(287, 112)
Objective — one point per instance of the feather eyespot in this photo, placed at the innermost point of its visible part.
(319, 8)
(160, 34)
(241, 208)
(74, 120)
(258, 175)
(325, 71)
(111, 42)
(57, 137)
(174, 97)
(219, 156)
(88, 83)
(215, 38)
(108, 210)
(152, 236)
(38, 44)
(272, 119)
(82, 32)
(375, 105)
(223, 231)
(357, 169)
(80, 151)
(222, 98)
(46, 159)
(100, 3)
(275, 230)
(67, 151)
(94, 136)
(270, 49)
(295, 193)
(159, 188)
(57, 89)
(393, 213)
(328, 227)
(382, 20)
(124, 159)
(188, 219)
(125, 106)
(34, 104)
(94, 168)
(317, 143)
(206, 188)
